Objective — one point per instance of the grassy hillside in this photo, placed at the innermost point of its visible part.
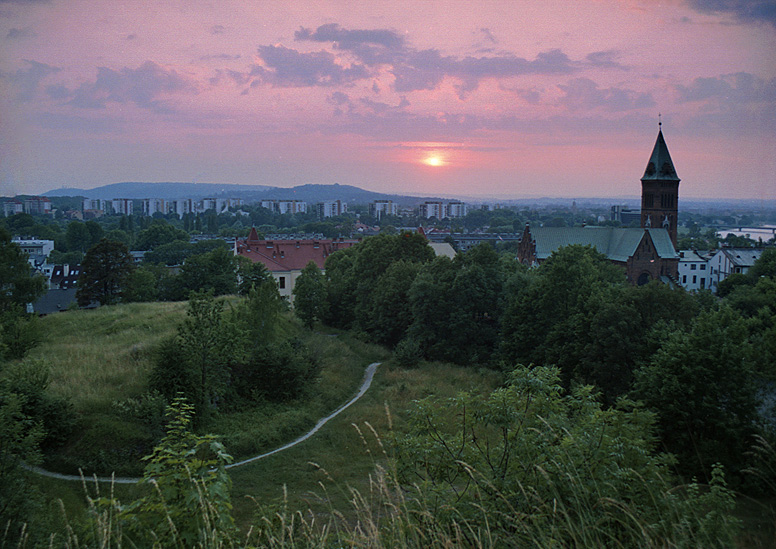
(102, 357)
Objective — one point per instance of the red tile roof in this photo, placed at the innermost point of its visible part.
(288, 255)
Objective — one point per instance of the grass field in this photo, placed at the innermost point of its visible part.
(103, 356)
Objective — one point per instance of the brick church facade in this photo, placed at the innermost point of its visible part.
(648, 253)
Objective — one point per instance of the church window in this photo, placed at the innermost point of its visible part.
(649, 200)
(643, 279)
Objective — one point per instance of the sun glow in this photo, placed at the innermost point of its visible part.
(433, 161)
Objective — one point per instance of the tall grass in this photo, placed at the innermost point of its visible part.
(102, 355)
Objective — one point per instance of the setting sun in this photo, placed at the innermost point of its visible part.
(433, 161)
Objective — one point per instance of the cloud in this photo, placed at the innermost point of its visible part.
(415, 69)
(217, 29)
(739, 88)
(349, 39)
(27, 80)
(142, 86)
(605, 60)
(582, 94)
(743, 10)
(15, 34)
(286, 67)
(131, 37)
(488, 35)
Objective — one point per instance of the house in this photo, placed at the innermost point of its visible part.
(729, 261)
(647, 253)
(694, 273)
(285, 258)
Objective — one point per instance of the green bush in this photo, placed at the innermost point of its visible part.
(408, 353)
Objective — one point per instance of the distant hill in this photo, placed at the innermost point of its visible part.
(160, 190)
(249, 193)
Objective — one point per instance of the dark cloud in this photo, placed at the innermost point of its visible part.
(27, 80)
(348, 39)
(217, 29)
(743, 10)
(488, 35)
(141, 86)
(285, 67)
(605, 60)
(738, 88)
(131, 37)
(582, 94)
(15, 34)
(339, 98)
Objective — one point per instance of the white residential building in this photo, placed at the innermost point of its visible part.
(331, 208)
(285, 206)
(34, 246)
(155, 205)
(95, 204)
(694, 273)
(183, 206)
(379, 208)
(456, 209)
(12, 207)
(122, 206)
(728, 261)
(432, 209)
(37, 205)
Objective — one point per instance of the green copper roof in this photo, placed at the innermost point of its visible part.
(615, 243)
(660, 165)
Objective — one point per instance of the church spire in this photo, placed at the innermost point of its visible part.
(660, 190)
(660, 165)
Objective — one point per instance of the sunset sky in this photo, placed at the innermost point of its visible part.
(489, 98)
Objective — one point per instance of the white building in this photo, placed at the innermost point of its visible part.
(379, 208)
(182, 206)
(285, 206)
(694, 273)
(728, 261)
(432, 209)
(34, 246)
(155, 205)
(39, 205)
(95, 204)
(122, 206)
(12, 207)
(456, 209)
(331, 208)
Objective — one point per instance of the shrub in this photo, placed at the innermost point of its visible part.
(408, 353)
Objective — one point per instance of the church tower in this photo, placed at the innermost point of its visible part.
(660, 190)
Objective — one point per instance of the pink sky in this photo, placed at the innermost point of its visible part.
(501, 98)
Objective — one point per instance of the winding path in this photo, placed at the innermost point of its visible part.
(369, 374)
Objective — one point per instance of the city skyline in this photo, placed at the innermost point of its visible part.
(520, 99)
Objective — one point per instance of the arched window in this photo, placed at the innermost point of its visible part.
(643, 279)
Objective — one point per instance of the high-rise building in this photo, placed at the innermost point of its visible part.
(379, 208)
(330, 208)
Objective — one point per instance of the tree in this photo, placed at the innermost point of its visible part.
(700, 383)
(77, 237)
(189, 504)
(18, 284)
(207, 346)
(160, 232)
(310, 295)
(105, 272)
(215, 271)
(251, 275)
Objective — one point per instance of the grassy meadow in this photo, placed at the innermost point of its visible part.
(100, 357)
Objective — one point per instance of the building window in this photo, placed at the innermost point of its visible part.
(282, 282)
(703, 266)
(703, 283)
(694, 277)
(684, 279)
(693, 267)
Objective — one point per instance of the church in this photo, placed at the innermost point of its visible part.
(647, 253)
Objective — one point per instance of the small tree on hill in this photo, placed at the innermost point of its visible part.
(310, 295)
(105, 272)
